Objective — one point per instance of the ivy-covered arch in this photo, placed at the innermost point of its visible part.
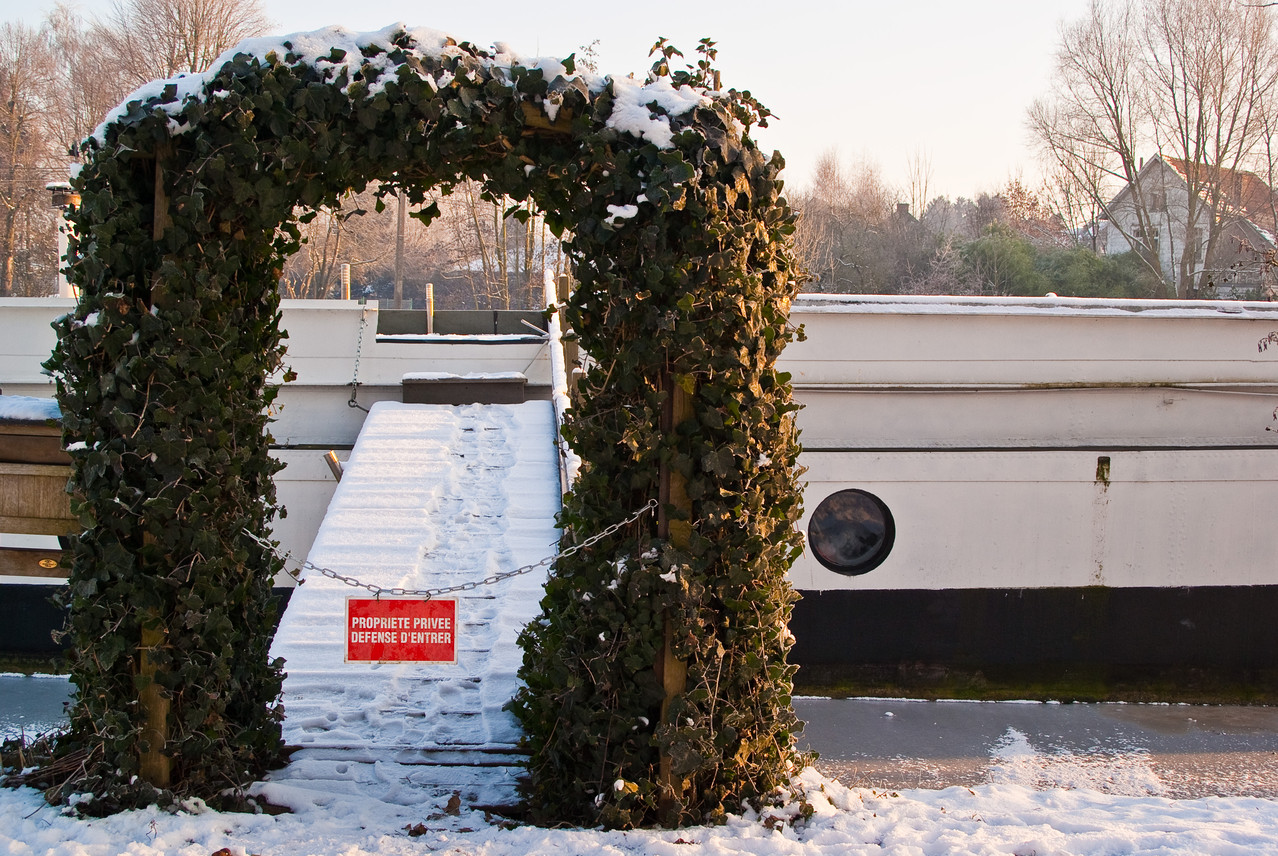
(657, 683)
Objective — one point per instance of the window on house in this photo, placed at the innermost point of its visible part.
(1147, 237)
(851, 532)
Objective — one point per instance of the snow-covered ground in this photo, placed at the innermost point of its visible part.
(1037, 778)
(989, 819)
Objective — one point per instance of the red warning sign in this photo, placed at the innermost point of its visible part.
(401, 630)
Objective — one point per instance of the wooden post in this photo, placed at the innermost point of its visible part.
(674, 487)
(161, 219)
(154, 766)
(671, 671)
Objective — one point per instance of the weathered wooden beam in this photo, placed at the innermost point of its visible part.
(34, 500)
(37, 525)
(31, 443)
(31, 562)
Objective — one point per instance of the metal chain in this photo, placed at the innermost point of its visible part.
(378, 591)
(359, 347)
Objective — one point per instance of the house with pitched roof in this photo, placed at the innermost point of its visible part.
(1206, 232)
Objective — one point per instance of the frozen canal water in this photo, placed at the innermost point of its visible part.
(1182, 751)
(1133, 749)
(32, 705)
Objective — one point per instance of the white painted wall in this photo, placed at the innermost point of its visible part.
(26, 341)
(325, 335)
(859, 418)
(978, 420)
(983, 342)
(1032, 519)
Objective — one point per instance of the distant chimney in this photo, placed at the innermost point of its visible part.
(903, 209)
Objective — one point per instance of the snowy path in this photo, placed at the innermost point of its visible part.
(432, 496)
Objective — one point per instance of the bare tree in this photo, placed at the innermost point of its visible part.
(1067, 197)
(819, 234)
(919, 168)
(497, 248)
(1210, 65)
(475, 251)
(160, 38)
(309, 273)
(1024, 211)
(944, 273)
(1269, 162)
(58, 82)
(1094, 125)
(1182, 77)
(88, 81)
(848, 235)
(353, 233)
(26, 224)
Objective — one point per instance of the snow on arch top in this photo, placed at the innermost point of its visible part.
(339, 52)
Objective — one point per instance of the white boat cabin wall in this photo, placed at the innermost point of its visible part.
(993, 480)
(1022, 482)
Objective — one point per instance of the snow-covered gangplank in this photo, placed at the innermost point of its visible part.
(431, 497)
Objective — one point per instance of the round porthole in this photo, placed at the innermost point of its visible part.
(851, 532)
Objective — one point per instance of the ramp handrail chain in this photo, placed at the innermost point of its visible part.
(359, 348)
(378, 591)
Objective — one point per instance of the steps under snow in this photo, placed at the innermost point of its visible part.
(432, 495)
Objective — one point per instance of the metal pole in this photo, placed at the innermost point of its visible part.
(346, 281)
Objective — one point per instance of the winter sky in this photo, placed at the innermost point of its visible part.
(882, 81)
